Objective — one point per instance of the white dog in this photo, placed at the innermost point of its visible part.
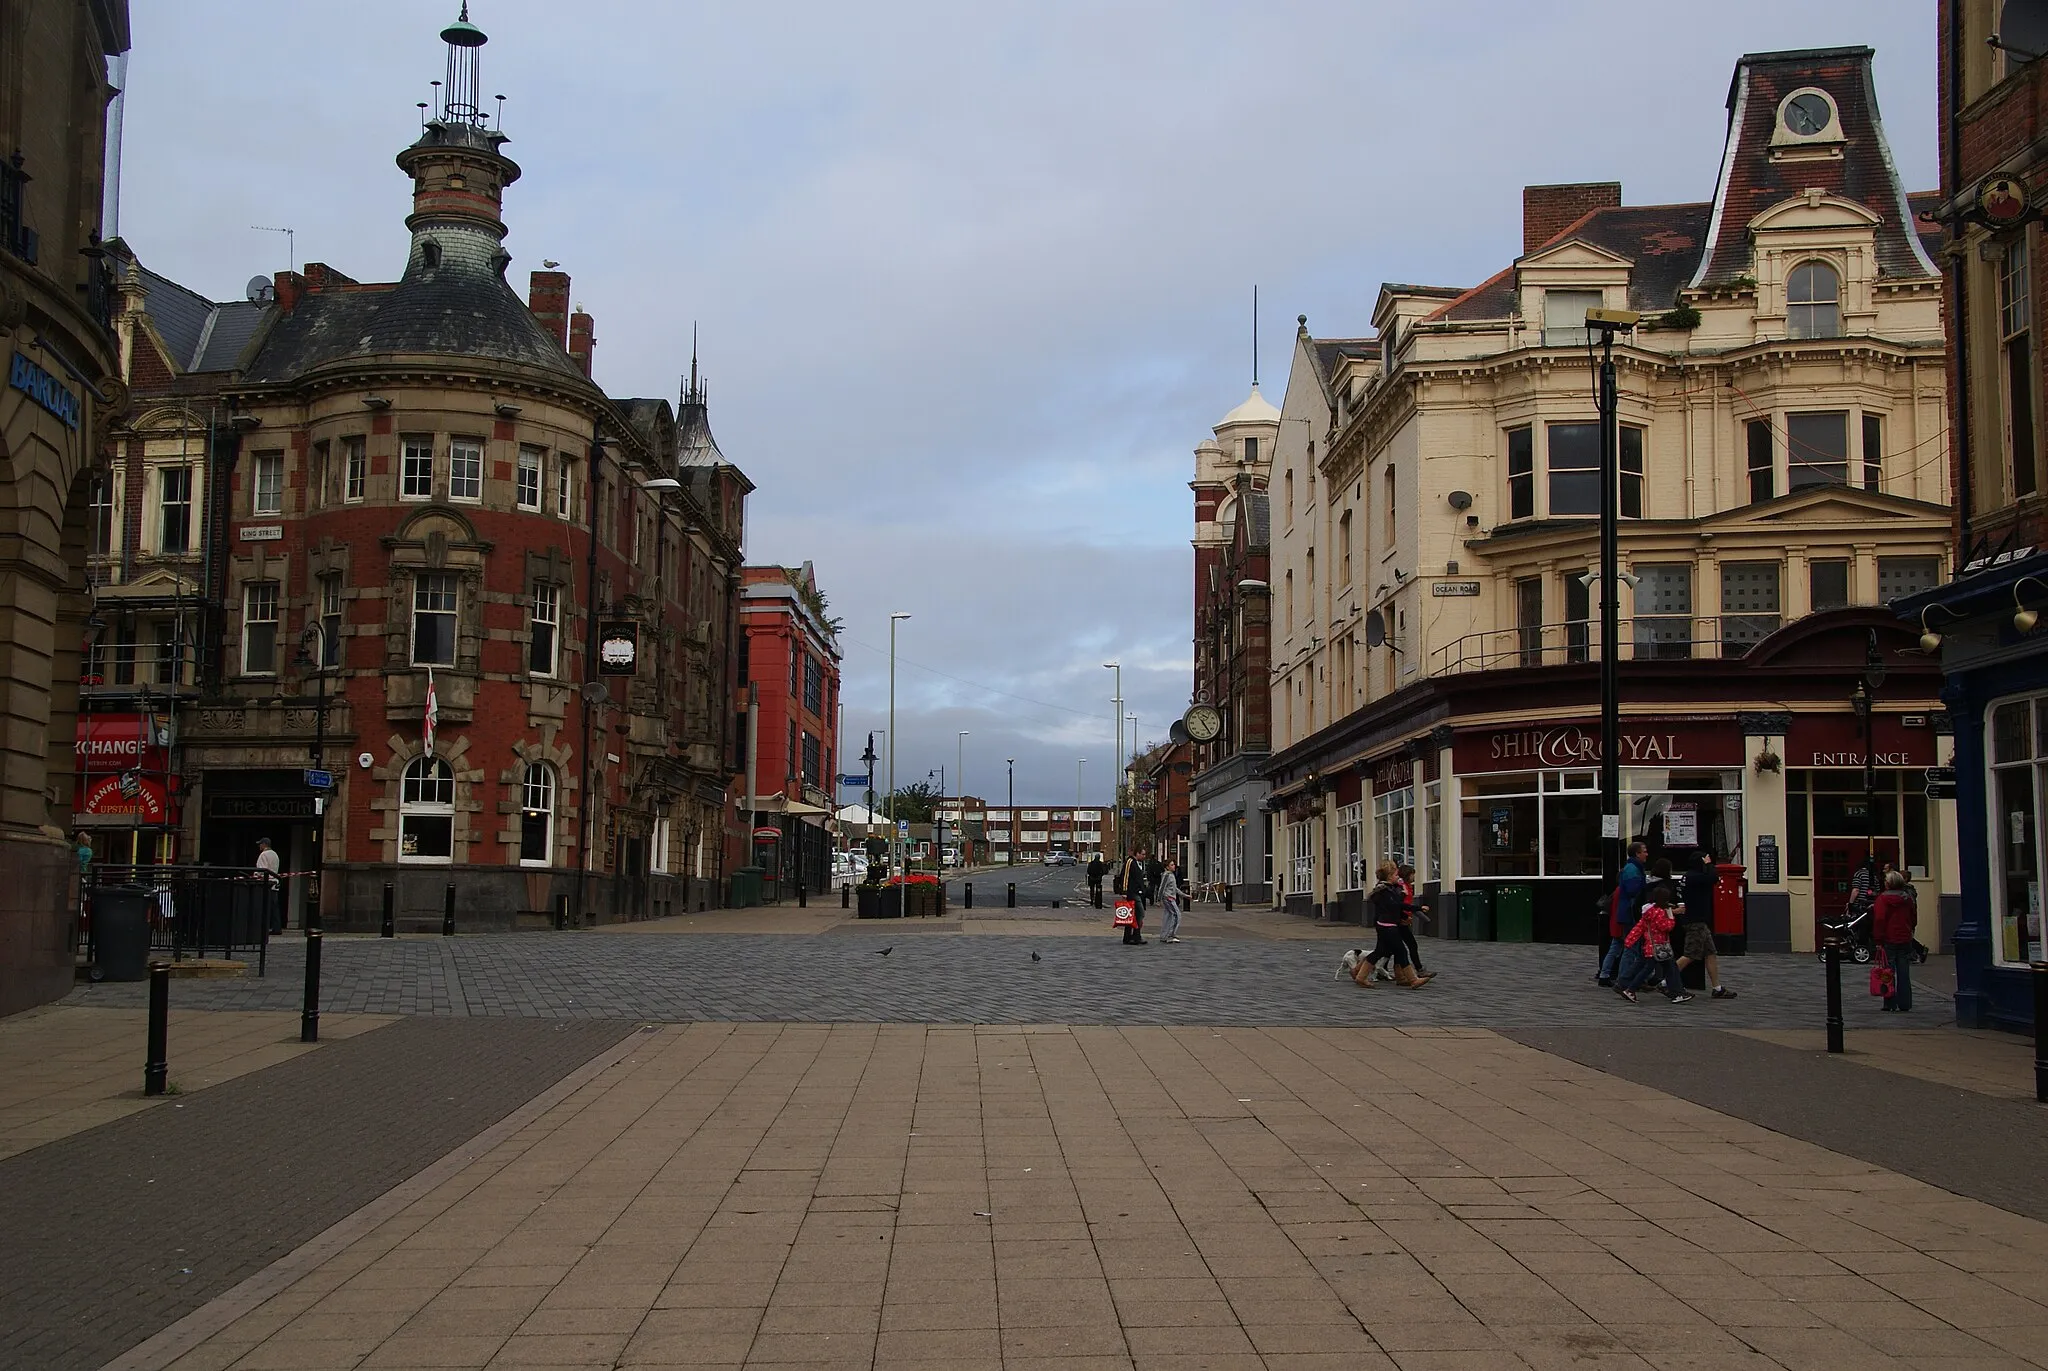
(1350, 963)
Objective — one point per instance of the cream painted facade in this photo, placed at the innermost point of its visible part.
(1438, 497)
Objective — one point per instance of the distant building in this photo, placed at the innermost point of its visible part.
(790, 657)
(56, 302)
(1782, 478)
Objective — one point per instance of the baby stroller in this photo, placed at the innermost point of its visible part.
(1854, 930)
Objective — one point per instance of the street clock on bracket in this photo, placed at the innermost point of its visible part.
(1204, 723)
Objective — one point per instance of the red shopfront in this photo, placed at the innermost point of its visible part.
(1835, 812)
(127, 795)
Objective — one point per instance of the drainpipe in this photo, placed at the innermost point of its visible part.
(1960, 290)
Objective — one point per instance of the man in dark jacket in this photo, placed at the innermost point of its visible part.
(1097, 869)
(1695, 933)
(1133, 885)
(1634, 878)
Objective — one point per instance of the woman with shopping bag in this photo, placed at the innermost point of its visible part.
(1893, 918)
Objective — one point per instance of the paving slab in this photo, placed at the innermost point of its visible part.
(1363, 1177)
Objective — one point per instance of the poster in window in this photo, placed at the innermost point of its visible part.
(1682, 824)
(1500, 829)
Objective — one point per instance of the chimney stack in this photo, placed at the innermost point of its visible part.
(1546, 210)
(582, 338)
(289, 286)
(547, 295)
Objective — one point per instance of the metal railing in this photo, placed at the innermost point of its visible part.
(1646, 638)
(199, 909)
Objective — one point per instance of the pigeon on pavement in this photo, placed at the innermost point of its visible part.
(1034, 957)
(883, 952)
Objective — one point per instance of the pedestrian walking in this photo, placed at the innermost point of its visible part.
(1406, 875)
(1131, 884)
(1894, 918)
(1388, 907)
(1624, 903)
(1169, 900)
(1647, 949)
(1097, 869)
(268, 864)
(1696, 924)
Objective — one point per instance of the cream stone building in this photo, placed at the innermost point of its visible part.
(1783, 459)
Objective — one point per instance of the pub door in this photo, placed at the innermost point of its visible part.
(1834, 861)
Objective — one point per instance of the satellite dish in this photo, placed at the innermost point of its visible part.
(2023, 29)
(1460, 500)
(260, 290)
(1375, 628)
(1178, 733)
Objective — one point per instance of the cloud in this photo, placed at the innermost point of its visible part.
(972, 280)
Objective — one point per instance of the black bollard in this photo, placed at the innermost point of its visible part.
(1831, 953)
(967, 894)
(1010, 895)
(448, 912)
(846, 895)
(2041, 1032)
(803, 893)
(1226, 899)
(390, 927)
(155, 1070)
(309, 1015)
(561, 912)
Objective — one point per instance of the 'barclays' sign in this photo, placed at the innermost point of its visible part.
(43, 388)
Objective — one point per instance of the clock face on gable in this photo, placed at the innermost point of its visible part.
(1808, 113)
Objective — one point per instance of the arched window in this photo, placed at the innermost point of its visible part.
(426, 812)
(1813, 301)
(537, 816)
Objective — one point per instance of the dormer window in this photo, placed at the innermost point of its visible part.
(1564, 316)
(1808, 116)
(1813, 301)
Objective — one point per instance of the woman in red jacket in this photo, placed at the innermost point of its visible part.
(1893, 920)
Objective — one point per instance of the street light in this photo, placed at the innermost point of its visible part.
(895, 858)
(1010, 848)
(1080, 781)
(1116, 800)
(1608, 322)
(959, 784)
(313, 657)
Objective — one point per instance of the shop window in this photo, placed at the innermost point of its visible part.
(267, 484)
(355, 478)
(1433, 825)
(2014, 789)
(465, 469)
(537, 815)
(1578, 615)
(426, 812)
(1817, 449)
(174, 510)
(330, 621)
(1813, 301)
(1500, 823)
(259, 628)
(529, 478)
(1529, 620)
(1521, 474)
(1750, 609)
(1873, 452)
(1663, 622)
(1393, 828)
(1679, 812)
(1898, 576)
(433, 619)
(545, 630)
(416, 468)
(1763, 482)
(1564, 317)
(1827, 584)
(2015, 330)
(1301, 867)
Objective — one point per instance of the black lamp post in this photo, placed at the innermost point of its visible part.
(1010, 855)
(1607, 323)
(313, 657)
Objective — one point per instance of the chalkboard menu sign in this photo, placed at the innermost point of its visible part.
(1767, 859)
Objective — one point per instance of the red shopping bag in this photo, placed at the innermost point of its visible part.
(1126, 914)
(1884, 981)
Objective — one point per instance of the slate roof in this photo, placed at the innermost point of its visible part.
(1329, 351)
(1751, 182)
(1258, 519)
(1662, 240)
(695, 447)
(200, 334)
(454, 302)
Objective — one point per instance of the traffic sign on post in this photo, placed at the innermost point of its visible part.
(1940, 790)
(320, 780)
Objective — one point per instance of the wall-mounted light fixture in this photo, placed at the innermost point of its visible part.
(2025, 619)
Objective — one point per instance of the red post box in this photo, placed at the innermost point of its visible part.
(1731, 901)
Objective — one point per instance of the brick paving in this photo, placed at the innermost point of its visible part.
(889, 1197)
(115, 1232)
(935, 976)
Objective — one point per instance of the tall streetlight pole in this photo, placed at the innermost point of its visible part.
(1608, 322)
(1010, 851)
(1080, 781)
(1117, 786)
(960, 784)
(895, 855)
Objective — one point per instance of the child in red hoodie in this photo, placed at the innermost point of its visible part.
(1647, 950)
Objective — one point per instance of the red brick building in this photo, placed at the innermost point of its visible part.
(789, 655)
(434, 557)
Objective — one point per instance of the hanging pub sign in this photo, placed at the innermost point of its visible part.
(618, 648)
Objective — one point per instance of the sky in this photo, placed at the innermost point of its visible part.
(972, 281)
